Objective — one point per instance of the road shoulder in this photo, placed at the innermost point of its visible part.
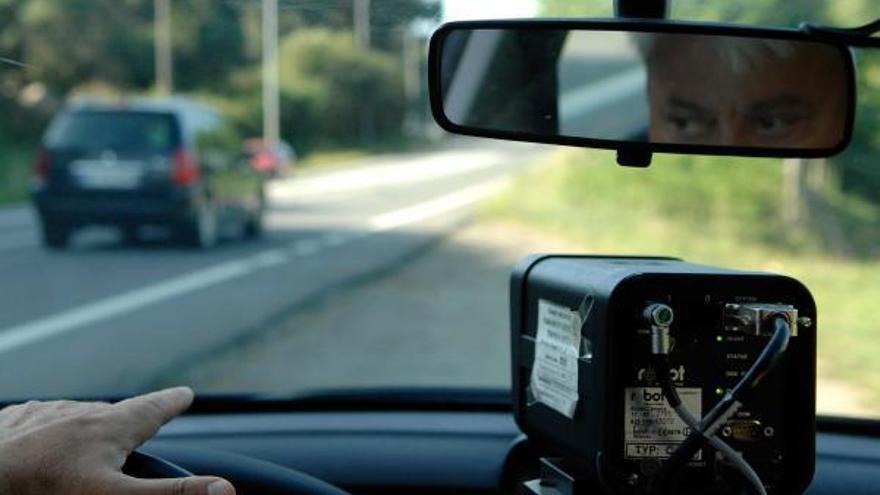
(448, 326)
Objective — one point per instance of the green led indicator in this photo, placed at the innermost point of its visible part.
(719, 391)
(719, 338)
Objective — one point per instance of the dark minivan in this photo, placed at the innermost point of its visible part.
(173, 163)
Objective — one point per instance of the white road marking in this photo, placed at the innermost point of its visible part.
(435, 207)
(28, 333)
(432, 167)
(313, 188)
(18, 336)
(335, 239)
(270, 258)
(305, 247)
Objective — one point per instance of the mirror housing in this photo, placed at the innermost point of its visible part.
(544, 81)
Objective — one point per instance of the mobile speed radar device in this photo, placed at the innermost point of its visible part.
(653, 375)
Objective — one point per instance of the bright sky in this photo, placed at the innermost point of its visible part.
(456, 10)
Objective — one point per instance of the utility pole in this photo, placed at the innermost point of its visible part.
(361, 11)
(164, 70)
(412, 80)
(271, 99)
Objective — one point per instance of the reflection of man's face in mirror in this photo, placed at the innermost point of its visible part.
(744, 92)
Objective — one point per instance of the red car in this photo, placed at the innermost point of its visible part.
(273, 159)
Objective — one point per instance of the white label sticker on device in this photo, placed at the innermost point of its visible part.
(652, 429)
(554, 378)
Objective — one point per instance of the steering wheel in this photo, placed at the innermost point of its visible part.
(249, 476)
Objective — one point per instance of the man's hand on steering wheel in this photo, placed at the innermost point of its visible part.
(79, 448)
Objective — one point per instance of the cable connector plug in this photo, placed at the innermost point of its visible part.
(757, 318)
(659, 317)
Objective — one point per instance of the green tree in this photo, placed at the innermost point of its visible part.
(780, 12)
(333, 91)
(776, 12)
(386, 17)
(208, 42)
(568, 8)
(342, 86)
(69, 42)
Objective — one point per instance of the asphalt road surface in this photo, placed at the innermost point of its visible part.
(107, 319)
(439, 320)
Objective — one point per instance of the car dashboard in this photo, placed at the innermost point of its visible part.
(444, 451)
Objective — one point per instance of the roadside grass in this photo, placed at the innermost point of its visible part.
(15, 173)
(331, 156)
(718, 211)
(324, 158)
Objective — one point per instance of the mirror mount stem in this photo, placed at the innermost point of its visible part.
(634, 156)
(642, 9)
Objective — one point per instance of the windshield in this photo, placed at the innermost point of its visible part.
(311, 228)
(112, 131)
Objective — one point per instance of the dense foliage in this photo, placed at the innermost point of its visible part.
(68, 47)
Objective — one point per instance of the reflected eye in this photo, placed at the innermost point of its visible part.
(689, 126)
(775, 125)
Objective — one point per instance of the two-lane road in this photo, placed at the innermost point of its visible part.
(105, 318)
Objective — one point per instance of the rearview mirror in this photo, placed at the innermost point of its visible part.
(644, 86)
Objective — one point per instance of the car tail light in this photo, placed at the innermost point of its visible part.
(42, 167)
(264, 161)
(186, 170)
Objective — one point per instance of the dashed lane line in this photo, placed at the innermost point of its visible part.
(25, 334)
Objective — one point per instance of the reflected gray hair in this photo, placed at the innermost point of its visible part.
(737, 53)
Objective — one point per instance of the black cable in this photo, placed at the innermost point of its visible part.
(697, 440)
(771, 355)
(692, 443)
(662, 370)
(753, 482)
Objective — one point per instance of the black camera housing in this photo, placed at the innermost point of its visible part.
(605, 436)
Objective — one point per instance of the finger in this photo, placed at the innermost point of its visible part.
(193, 485)
(43, 413)
(141, 417)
